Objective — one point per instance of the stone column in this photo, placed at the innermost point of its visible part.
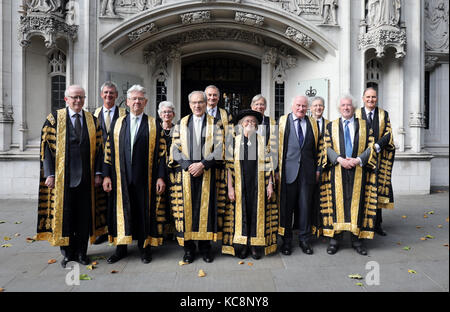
(174, 81)
(268, 61)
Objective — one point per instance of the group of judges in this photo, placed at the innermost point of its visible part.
(241, 180)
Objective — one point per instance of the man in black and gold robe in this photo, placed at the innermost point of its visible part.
(134, 171)
(70, 168)
(253, 218)
(348, 193)
(378, 121)
(197, 148)
(107, 115)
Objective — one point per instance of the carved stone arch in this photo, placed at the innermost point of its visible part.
(259, 25)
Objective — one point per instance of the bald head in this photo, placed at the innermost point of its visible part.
(300, 106)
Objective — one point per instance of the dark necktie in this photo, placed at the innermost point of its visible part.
(300, 132)
(369, 119)
(78, 126)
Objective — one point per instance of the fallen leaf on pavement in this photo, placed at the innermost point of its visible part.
(440, 226)
(250, 263)
(446, 245)
(94, 263)
(241, 262)
(181, 262)
(29, 240)
(6, 238)
(406, 248)
(429, 236)
(51, 261)
(412, 272)
(355, 276)
(2, 289)
(1, 221)
(418, 227)
(404, 217)
(114, 271)
(17, 235)
(18, 222)
(359, 284)
(446, 219)
(430, 212)
(423, 239)
(6, 245)
(399, 243)
(201, 273)
(85, 277)
(90, 267)
(425, 216)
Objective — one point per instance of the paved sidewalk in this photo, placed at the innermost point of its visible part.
(24, 265)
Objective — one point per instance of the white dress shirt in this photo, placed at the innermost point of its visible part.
(377, 147)
(73, 118)
(198, 122)
(302, 124)
(111, 112)
(212, 111)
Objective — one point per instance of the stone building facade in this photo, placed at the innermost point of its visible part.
(279, 48)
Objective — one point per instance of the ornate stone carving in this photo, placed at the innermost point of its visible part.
(47, 25)
(437, 25)
(127, 7)
(249, 19)
(270, 56)
(143, 31)
(328, 12)
(195, 17)
(46, 6)
(299, 37)
(381, 28)
(108, 9)
(431, 62)
(380, 39)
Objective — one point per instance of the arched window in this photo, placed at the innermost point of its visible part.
(374, 71)
(57, 73)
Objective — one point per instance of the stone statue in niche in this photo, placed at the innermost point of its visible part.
(108, 8)
(383, 12)
(437, 25)
(328, 12)
(46, 6)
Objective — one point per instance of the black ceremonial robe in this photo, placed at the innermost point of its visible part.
(145, 220)
(53, 209)
(196, 200)
(252, 219)
(356, 215)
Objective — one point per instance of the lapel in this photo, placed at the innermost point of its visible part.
(356, 138)
(141, 131)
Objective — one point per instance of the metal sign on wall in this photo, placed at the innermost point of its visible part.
(316, 87)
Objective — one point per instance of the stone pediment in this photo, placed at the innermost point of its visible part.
(219, 21)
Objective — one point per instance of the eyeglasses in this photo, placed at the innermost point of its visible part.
(78, 97)
(166, 112)
(140, 99)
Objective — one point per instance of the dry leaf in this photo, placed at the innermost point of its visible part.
(181, 262)
(406, 248)
(404, 217)
(429, 236)
(399, 243)
(446, 245)
(430, 212)
(250, 263)
(423, 239)
(440, 226)
(446, 219)
(241, 262)
(359, 284)
(85, 277)
(114, 271)
(6, 245)
(2, 289)
(6, 238)
(412, 272)
(51, 261)
(201, 273)
(17, 235)
(91, 267)
(94, 263)
(29, 240)
(418, 227)
(425, 216)
(18, 222)
(1, 221)
(355, 276)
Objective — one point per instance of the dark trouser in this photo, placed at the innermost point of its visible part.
(356, 242)
(298, 204)
(203, 246)
(378, 218)
(79, 221)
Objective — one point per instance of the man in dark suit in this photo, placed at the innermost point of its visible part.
(134, 170)
(197, 149)
(378, 120)
(70, 167)
(298, 149)
(107, 115)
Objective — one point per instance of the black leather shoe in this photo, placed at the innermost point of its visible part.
(286, 250)
(114, 258)
(361, 250)
(84, 260)
(101, 239)
(243, 252)
(188, 257)
(332, 249)
(146, 258)
(379, 231)
(208, 257)
(255, 253)
(64, 262)
(306, 248)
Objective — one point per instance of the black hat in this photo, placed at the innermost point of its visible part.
(248, 112)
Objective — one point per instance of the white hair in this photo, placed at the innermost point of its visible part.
(348, 96)
(167, 104)
(318, 98)
(213, 87)
(136, 88)
(257, 98)
(194, 92)
(109, 84)
(66, 92)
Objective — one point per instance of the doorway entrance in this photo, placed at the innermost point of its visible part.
(238, 78)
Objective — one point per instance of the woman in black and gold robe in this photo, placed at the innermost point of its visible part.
(252, 220)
